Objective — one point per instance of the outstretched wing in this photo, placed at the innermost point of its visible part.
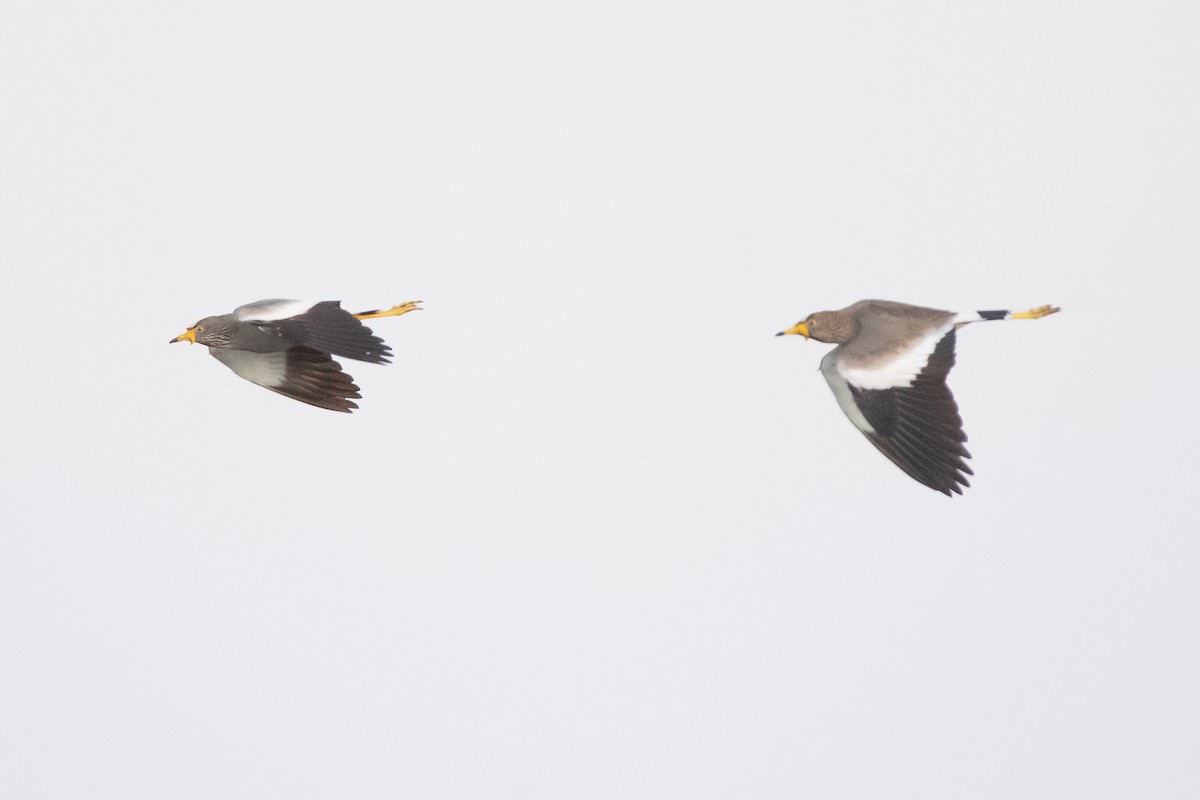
(300, 373)
(916, 425)
(323, 326)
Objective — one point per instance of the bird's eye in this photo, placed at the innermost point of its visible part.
(199, 329)
(811, 323)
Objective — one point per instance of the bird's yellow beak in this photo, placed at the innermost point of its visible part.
(800, 328)
(187, 336)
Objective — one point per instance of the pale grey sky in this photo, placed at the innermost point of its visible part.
(596, 533)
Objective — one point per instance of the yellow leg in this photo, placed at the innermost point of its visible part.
(1037, 313)
(394, 311)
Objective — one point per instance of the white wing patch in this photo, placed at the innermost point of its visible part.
(841, 391)
(967, 317)
(267, 310)
(897, 373)
(265, 369)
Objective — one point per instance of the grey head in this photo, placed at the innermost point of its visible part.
(212, 331)
(833, 327)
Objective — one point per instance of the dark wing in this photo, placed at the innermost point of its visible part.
(918, 427)
(300, 373)
(328, 327)
(313, 377)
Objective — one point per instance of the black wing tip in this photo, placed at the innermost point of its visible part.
(315, 378)
(948, 484)
(955, 488)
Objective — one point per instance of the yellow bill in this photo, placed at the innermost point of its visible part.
(799, 328)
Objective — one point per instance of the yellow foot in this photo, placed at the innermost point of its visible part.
(1037, 313)
(394, 311)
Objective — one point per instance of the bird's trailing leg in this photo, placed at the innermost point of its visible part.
(1036, 313)
(394, 311)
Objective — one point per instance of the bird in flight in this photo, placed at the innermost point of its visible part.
(888, 373)
(288, 346)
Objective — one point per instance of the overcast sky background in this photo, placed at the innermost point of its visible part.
(596, 533)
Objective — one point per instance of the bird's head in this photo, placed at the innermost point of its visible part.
(824, 326)
(211, 331)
